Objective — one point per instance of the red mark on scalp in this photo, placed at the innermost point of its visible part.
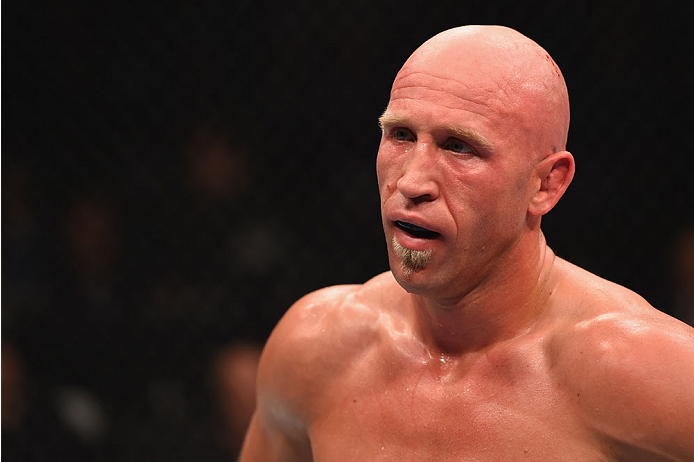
(554, 65)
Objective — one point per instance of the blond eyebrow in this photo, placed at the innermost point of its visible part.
(388, 120)
(467, 134)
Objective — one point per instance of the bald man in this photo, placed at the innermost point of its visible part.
(480, 344)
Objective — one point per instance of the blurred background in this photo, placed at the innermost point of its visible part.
(174, 176)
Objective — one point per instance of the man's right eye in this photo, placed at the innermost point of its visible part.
(402, 135)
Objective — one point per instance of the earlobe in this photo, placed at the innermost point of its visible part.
(554, 174)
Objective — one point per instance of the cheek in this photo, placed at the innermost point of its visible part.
(486, 201)
(385, 166)
(380, 174)
(511, 207)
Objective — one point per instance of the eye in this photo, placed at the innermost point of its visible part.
(458, 146)
(401, 134)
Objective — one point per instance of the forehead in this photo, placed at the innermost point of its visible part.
(465, 91)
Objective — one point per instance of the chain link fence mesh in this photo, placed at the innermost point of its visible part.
(175, 176)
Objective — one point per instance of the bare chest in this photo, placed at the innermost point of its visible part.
(500, 410)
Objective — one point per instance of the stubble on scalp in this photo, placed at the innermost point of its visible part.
(411, 260)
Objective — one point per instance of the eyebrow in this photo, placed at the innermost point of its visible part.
(388, 120)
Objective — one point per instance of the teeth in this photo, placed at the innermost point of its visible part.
(415, 230)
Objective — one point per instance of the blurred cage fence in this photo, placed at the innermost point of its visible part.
(173, 178)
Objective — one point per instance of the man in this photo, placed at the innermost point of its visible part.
(480, 344)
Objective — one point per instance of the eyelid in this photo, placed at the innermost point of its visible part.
(469, 146)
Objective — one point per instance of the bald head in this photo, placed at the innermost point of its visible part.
(508, 71)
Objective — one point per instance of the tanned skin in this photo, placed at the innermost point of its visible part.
(489, 347)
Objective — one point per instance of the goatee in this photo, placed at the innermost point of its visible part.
(412, 260)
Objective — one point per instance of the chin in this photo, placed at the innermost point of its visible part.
(428, 282)
(415, 282)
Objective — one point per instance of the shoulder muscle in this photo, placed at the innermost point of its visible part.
(310, 346)
(636, 375)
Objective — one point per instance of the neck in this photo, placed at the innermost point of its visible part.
(507, 303)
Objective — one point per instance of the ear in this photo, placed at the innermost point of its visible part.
(554, 173)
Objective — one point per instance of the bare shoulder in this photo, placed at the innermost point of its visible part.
(330, 324)
(318, 339)
(629, 366)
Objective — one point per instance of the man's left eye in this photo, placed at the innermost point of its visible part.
(457, 146)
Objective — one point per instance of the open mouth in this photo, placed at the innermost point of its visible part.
(416, 231)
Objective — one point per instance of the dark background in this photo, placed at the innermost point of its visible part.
(174, 176)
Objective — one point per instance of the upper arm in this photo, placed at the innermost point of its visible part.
(268, 442)
(637, 385)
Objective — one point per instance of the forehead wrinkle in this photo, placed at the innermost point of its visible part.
(501, 89)
(428, 74)
(424, 87)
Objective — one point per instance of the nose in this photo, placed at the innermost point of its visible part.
(418, 181)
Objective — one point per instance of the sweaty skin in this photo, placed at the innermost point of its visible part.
(491, 348)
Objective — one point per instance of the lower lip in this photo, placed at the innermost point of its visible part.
(411, 242)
